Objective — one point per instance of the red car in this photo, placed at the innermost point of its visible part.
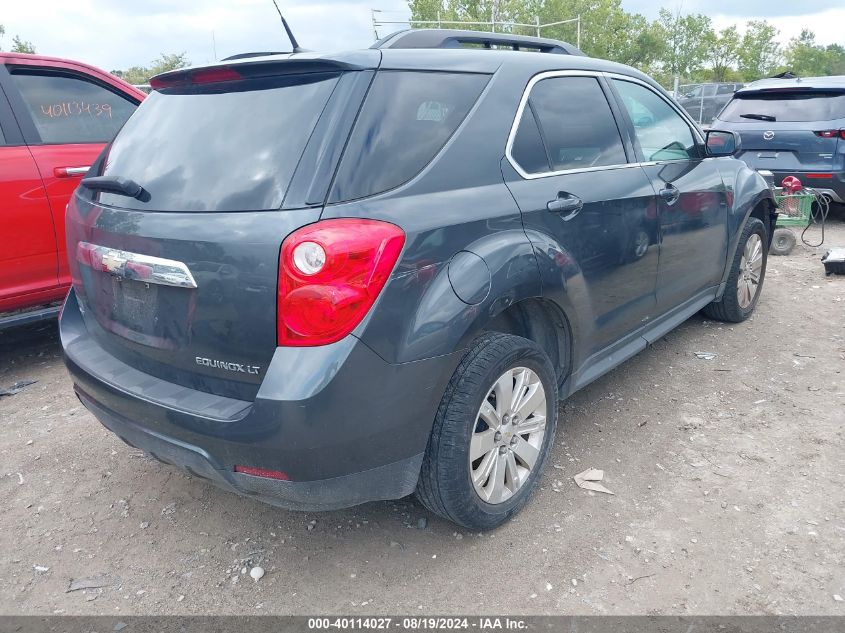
(55, 118)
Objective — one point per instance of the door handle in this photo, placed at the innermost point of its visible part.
(670, 194)
(567, 204)
(70, 172)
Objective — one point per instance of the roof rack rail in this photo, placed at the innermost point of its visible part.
(450, 38)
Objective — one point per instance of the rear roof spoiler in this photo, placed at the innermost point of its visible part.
(449, 38)
(252, 66)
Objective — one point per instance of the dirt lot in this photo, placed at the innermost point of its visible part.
(728, 474)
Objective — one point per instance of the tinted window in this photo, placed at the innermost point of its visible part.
(786, 106)
(662, 132)
(528, 150)
(725, 90)
(406, 119)
(2, 138)
(218, 147)
(577, 123)
(69, 109)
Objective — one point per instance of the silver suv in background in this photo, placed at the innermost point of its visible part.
(704, 101)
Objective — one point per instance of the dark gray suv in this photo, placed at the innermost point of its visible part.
(321, 280)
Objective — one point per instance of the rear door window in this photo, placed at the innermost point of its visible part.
(406, 119)
(528, 149)
(68, 108)
(576, 123)
(662, 133)
(230, 146)
(804, 105)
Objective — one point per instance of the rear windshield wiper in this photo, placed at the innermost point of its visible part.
(759, 117)
(114, 184)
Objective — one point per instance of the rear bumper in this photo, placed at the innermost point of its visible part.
(391, 481)
(343, 424)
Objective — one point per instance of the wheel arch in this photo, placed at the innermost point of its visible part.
(751, 197)
(543, 322)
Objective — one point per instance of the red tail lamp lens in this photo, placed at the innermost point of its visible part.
(262, 472)
(330, 274)
(830, 133)
(202, 76)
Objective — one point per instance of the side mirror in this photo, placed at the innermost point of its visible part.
(722, 143)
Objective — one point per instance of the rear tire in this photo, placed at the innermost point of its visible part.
(783, 241)
(497, 369)
(741, 291)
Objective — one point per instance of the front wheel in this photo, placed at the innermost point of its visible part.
(492, 433)
(745, 280)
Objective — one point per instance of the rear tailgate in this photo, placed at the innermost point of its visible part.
(789, 129)
(181, 281)
(787, 146)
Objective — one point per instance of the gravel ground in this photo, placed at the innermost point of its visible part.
(728, 477)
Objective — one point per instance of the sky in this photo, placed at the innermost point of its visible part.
(116, 34)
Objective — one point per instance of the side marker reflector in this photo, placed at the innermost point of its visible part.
(262, 472)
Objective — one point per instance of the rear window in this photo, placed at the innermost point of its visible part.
(785, 106)
(407, 118)
(218, 147)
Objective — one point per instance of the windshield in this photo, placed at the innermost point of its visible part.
(785, 106)
(218, 147)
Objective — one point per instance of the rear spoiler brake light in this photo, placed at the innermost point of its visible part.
(249, 68)
(193, 77)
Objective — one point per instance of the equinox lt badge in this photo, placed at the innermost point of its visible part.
(221, 364)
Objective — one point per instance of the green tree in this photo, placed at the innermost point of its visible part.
(807, 59)
(837, 53)
(723, 52)
(18, 45)
(22, 46)
(164, 62)
(607, 30)
(759, 53)
(686, 38)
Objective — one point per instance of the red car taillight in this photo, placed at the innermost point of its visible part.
(830, 133)
(330, 274)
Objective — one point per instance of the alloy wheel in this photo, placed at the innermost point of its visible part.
(508, 435)
(750, 271)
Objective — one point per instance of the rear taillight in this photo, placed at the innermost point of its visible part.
(330, 274)
(830, 133)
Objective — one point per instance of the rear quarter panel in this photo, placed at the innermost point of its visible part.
(459, 202)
